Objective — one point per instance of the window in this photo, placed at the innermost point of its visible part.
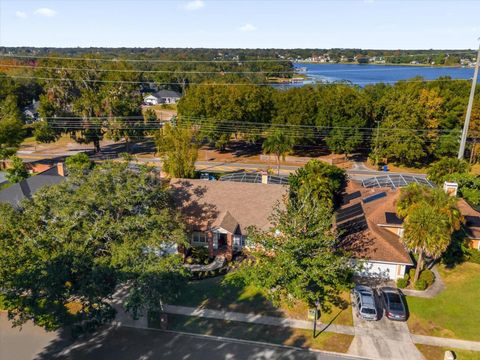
(199, 237)
(239, 241)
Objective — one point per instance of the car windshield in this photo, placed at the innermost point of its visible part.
(368, 311)
(394, 301)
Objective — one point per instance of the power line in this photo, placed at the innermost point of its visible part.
(222, 84)
(176, 71)
(236, 124)
(293, 60)
(141, 60)
(34, 67)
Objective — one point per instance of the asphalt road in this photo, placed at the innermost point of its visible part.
(129, 343)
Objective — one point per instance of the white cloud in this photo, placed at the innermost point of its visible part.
(21, 14)
(247, 28)
(194, 5)
(46, 12)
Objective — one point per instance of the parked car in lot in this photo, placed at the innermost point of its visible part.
(393, 303)
(364, 302)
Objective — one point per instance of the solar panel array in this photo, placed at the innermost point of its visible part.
(394, 181)
(374, 197)
(252, 177)
(351, 219)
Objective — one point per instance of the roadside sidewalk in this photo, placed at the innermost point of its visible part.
(258, 319)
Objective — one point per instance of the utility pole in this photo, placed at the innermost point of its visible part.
(461, 151)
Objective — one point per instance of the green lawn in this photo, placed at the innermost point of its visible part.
(454, 312)
(438, 353)
(263, 333)
(213, 294)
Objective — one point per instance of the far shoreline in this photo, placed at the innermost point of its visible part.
(406, 64)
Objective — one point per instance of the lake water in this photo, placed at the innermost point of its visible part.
(371, 74)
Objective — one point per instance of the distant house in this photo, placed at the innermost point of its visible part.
(162, 97)
(218, 213)
(31, 112)
(15, 193)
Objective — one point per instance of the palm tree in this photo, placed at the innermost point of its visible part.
(427, 231)
(431, 217)
(278, 143)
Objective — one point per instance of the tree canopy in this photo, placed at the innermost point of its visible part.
(323, 182)
(64, 252)
(177, 147)
(17, 170)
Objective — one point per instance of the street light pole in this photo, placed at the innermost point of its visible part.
(461, 151)
(317, 304)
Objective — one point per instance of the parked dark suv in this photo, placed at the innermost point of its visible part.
(393, 303)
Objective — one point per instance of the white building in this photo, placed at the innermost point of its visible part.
(162, 97)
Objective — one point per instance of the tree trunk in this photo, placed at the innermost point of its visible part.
(96, 145)
(472, 153)
(419, 266)
(278, 165)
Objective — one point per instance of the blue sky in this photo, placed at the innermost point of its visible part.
(375, 24)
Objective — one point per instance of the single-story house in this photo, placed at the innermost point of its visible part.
(371, 231)
(15, 193)
(472, 223)
(218, 213)
(162, 97)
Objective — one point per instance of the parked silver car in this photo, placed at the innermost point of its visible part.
(364, 302)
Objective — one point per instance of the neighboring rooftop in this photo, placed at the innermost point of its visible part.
(232, 206)
(167, 94)
(15, 193)
(394, 181)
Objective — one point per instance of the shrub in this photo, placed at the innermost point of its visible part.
(200, 255)
(411, 273)
(428, 276)
(402, 283)
(473, 256)
(421, 284)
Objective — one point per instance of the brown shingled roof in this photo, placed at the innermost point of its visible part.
(209, 204)
(373, 242)
(472, 219)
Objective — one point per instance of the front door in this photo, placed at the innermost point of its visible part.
(222, 240)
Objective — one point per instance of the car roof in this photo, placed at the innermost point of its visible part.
(364, 288)
(366, 296)
(388, 289)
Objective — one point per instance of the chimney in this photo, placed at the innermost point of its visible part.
(61, 169)
(264, 177)
(450, 188)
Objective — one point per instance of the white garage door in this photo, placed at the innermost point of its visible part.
(383, 270)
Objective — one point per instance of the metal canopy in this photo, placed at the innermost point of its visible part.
(394, 181)
(251, 177)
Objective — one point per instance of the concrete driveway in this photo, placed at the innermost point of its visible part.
(382, 339)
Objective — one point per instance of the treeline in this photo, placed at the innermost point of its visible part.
(446, 57)
(411, 122)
